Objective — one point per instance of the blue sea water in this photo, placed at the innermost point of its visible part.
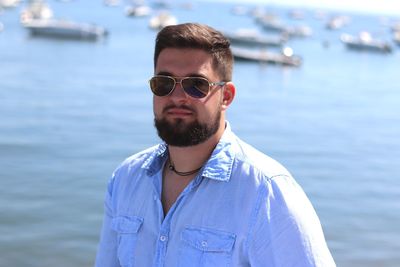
(71, 111)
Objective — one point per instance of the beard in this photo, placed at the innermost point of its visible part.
(182, 134)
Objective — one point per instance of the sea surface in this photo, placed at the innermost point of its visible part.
(71, 111)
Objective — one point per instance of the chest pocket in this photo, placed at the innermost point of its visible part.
(127, 228)
(206, 248)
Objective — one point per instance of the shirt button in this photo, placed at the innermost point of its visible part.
(155, 197)
(204, 243)
(163, 238)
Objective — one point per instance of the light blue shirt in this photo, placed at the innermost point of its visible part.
(242, 209)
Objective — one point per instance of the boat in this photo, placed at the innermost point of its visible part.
(396, 27)
(337, 22)
(270, 24)
(296, 14)
(249, 37)
(111, 3)
(8, 3)
(298, 31)
(137, 11)
(285, 58)
(1, 27)
(396, 37)
(36, 10)
(364, 41)
(162, 20)
(65, 29)
(161, 4)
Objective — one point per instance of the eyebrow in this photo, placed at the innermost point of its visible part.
(165, 73)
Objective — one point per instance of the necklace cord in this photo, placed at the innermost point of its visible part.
(172, 168)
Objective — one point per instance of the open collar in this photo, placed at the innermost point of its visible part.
(218, 167)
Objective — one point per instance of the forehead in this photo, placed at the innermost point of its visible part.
(184, 62)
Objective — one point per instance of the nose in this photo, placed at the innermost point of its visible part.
(178, 91)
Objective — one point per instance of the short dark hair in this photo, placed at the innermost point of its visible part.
(198, 36)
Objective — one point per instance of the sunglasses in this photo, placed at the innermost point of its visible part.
(196, 87)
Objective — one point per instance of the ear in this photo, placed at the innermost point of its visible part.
(228, 94)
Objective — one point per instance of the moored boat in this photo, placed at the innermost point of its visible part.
(396, 27)
(298, 31)
(36, 10)
(138, 11)
(162, 20)
(248, 37)
(337, 22)
(285, 58)
(364, 41)
(111, 3)
(65, 29)
(396, 37)
(9, 3)
(271, 24)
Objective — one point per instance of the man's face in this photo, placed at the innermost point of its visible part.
(180, 119)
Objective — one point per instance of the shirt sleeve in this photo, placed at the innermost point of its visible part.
(286, 231)
(107, 249)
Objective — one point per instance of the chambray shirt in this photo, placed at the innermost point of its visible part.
(242, 209)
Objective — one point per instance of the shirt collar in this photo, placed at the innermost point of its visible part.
(156, 159)
(218, 167)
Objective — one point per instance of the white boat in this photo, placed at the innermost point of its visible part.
(396, 37)
(9, 3)
(162, 20)
(296, 14)
(249, 37)
(271, 24)
(65, 29)
(337, 22)
(285, 58)
(396, 27)
(36, 10)
(161, 4)
(137, 11)
(299, 31)
(111, 3)
(364, 41)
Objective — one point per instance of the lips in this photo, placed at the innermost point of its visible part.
(178, 111)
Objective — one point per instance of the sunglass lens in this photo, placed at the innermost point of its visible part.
(195, 87)
(161, 86)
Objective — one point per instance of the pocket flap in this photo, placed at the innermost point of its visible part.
(208, 239)
(126, 224)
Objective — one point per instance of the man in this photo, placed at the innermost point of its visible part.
(203, 197)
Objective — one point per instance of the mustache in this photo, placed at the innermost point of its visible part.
(171, 106)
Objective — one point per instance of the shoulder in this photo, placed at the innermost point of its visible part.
(274, 182)
(139, 158)
(282, 213)
(134, 164)
(248, 156)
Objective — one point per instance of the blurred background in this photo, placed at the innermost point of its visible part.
(317, 89)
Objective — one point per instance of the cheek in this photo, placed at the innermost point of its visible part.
(157, 105)
(211, 110)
